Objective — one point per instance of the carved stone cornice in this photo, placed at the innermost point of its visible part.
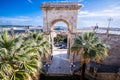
(60, 6)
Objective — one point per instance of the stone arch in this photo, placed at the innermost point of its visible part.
(53, 22)
(60, 11)
(60, 20)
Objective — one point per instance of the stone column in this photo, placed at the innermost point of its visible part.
(52, 41)
(68, 44)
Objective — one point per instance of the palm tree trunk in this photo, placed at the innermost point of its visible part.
(83, 71)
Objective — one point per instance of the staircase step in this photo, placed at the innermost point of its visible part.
(60, 77)
(59, 74)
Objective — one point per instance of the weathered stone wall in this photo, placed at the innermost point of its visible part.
(50, 17)
(60, 11)
(113, 44)
(106, 76)
(73, 57)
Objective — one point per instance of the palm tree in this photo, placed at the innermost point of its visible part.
(19, 57)
(89, 47)
(40, 41)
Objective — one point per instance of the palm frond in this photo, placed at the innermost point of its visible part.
(91, 45)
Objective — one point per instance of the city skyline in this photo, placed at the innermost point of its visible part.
(27, 12)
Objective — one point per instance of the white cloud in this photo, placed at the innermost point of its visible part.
(88, 19)
(70, 1)
(30, 1)
(114, 12)
(21, 20)
(80, 0)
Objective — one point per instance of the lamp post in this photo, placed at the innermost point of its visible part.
(12, 32)
(46, 66)
(71, 68)
(109, 21)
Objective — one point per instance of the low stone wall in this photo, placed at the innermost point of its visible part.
(113, 45)
(106, 76)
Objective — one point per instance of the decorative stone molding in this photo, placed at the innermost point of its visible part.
(60, 6)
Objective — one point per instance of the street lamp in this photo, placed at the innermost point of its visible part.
(12, 31)
(46, 66)
(71, 67)
(109, 21)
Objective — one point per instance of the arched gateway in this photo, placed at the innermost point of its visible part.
(54, 12)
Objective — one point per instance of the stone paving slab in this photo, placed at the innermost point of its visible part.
(59, 63)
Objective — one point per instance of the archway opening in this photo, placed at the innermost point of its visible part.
(60, 39)
(59, 32)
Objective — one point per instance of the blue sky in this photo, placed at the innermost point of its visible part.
(27, 12)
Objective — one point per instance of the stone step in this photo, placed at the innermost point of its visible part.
(54, 74)
(60, 77)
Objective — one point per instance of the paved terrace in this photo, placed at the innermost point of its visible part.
(59, 63)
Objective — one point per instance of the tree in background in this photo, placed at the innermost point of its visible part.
(60, 38)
